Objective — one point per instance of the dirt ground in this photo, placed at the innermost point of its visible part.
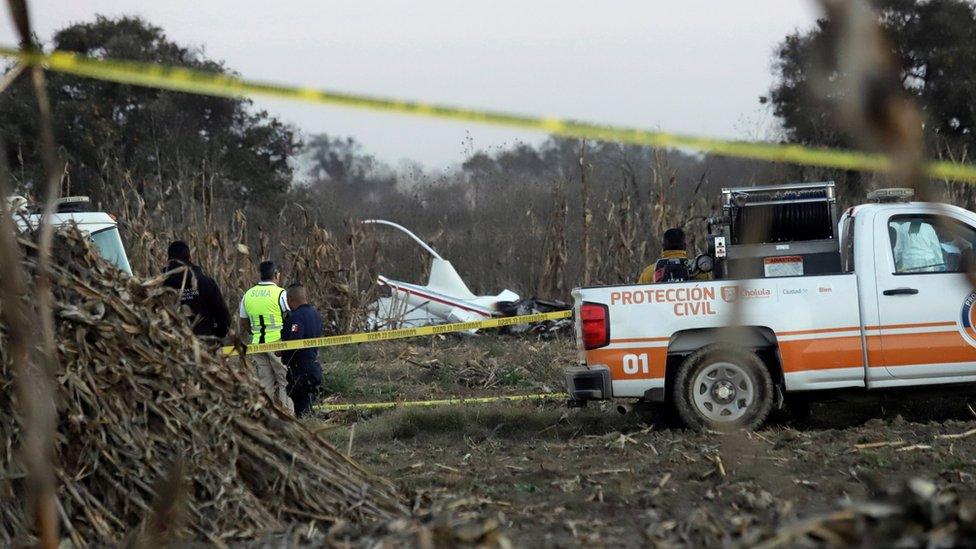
(553, 476)
(444, 366)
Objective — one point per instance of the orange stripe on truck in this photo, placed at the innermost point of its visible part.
(919, 325)
(919, 349)
(614, 359)
(819, 331)
(816, 353)
(887, 350)
(821, 354)
(857, 328)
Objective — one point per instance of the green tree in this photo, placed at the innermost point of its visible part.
(160, 140)
(340, 160)
(935, 43)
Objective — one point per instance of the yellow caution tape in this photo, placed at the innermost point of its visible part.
(350, 339)
(223, 85)
(423, 403)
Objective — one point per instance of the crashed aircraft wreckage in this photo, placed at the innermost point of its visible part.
(446, 298)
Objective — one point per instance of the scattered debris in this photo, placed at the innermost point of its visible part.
(719, 466)
(968, 433)
(536, 305)
(914, 447)
(882, 444)
(915, 513)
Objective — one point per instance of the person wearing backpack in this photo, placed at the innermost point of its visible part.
(673, 265)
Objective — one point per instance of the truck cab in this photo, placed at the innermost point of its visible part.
(912, 262)
(102, 228)
(875, 298)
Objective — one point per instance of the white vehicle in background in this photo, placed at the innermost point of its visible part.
(802, 302)
(101, 227)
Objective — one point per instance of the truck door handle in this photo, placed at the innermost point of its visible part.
(901, 291)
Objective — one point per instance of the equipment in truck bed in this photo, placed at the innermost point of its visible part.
(762, 215)
(772, 231)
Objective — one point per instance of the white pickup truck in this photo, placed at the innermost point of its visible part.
(886, 304)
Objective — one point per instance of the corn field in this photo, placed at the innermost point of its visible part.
(527, 239)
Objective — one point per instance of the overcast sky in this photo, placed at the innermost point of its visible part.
(690, 66)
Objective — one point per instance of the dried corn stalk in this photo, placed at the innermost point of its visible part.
(138, 398)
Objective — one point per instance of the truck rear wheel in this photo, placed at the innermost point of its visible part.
(723, 387)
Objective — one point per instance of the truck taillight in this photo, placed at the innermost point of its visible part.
(595, 320)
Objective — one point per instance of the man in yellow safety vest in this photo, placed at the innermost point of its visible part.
(261, 315)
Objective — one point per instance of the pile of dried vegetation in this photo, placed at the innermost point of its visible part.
(159, 436)
(913, 513)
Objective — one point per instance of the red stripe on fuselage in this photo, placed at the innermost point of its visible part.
(482, 312)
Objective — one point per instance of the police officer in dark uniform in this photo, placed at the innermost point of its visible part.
(200, 297)
(304, 370)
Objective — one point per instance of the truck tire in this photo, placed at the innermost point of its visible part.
(723, 387)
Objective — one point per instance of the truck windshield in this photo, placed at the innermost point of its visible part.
(109, 245)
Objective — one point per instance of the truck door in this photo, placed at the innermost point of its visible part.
(926, 310)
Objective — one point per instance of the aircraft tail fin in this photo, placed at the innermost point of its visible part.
(444, 279)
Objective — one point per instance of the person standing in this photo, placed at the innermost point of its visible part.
(674, 264)
(261, 315)
(304, 370)
(200, 297)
